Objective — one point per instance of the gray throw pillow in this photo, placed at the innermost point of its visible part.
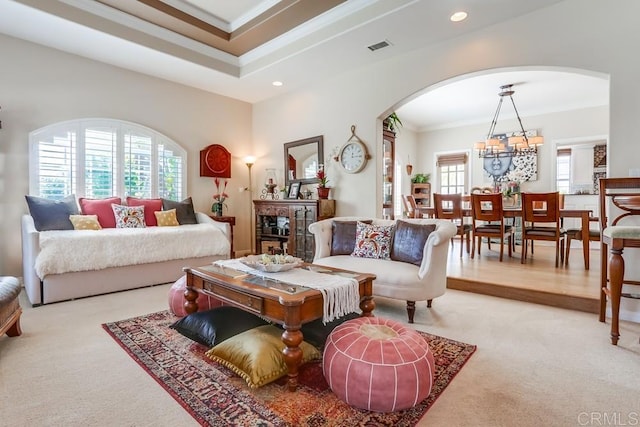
(184, 210)
(409, 240)
(50, 214)
(343, 238)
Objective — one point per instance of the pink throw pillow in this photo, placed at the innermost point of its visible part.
(102, 208)
(150, 207)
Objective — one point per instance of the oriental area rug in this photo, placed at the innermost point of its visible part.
(215, 396)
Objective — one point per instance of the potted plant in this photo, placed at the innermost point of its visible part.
(219, 197)
(393, 122)
(421, 178)
(323, 190)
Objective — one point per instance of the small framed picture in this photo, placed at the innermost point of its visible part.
(294, 190)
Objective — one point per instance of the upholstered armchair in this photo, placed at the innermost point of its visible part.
(416, 269)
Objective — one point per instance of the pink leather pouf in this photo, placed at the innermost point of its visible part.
(176, 299)
(378, 364)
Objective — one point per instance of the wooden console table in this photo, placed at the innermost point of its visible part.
(257, 295)
(284, 225)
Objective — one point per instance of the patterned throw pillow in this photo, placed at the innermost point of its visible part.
(128, 216)
(85, 222)
(373, 241)
(166, 218)
(151, 206)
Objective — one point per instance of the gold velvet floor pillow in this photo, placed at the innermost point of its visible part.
(256, 355)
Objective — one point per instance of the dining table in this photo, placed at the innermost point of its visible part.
(516, 212)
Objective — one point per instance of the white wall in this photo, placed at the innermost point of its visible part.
(578, 34)
(556, 126)
(40, 86)
(594, 35)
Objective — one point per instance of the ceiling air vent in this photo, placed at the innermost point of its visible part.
(379, 45)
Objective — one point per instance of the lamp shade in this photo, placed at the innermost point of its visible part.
(479, 145)
(493, 142)
(536, 140)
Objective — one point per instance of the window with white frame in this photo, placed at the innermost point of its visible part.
(98, 158)
(452, 171)
(563, 170)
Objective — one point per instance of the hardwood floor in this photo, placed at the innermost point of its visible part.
(537, 281)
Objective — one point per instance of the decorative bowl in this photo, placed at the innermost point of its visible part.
(271, 263)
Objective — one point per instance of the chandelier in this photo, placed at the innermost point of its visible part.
(517, 145)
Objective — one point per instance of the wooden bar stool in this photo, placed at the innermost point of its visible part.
(621, 232)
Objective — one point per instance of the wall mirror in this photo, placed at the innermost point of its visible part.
(302, 159)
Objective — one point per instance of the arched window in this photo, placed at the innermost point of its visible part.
(99, 158)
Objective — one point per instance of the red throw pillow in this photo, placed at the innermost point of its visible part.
(150, 207)
(102, 208)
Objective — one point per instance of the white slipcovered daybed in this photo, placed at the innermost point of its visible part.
(60, 265)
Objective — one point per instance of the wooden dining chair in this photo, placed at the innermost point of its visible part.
(449, 206)
(488, 221)
(541, 221)
(620, 225)
(576, 234)
(410, 206)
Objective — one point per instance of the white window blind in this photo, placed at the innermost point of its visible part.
(99, 158)
(453, 173)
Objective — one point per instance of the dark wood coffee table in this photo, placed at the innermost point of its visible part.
(290, 306)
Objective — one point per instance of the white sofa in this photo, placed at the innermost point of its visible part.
(394, 279)
(158, 256)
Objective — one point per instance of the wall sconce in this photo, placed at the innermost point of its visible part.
(409, 166)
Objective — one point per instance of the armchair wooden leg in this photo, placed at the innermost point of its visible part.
(411, 310)
(429, 301)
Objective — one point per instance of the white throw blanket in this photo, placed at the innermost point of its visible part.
(64, 251)
(341, 295)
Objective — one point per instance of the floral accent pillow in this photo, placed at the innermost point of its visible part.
(373, 241)
(128, 216)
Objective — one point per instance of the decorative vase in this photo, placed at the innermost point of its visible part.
(216, 208)
(323, 192)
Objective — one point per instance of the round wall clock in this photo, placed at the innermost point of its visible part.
(353, 156)
(215, 161)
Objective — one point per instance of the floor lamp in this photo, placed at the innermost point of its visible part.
(249, 161)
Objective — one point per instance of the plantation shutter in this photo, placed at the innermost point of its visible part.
(55, 174)
(137, 164)
(100, 150)
(99, 158)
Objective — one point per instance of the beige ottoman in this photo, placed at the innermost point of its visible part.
(10, 310)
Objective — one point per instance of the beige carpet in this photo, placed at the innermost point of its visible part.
(535, 365)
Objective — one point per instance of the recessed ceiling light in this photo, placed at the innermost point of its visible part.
(458, 16)
(277, 83)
